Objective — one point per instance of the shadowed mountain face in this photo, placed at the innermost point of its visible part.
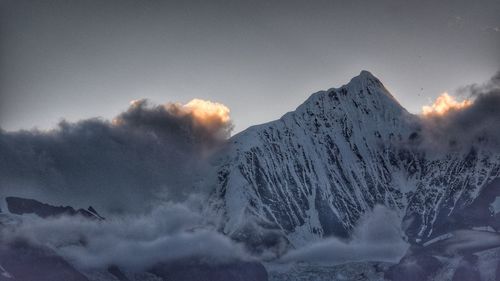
(316, 170)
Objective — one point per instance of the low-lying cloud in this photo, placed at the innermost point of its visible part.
(135, 242)
(145, 155)
(377, 237)
(177, 231)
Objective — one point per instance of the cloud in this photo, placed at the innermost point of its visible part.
(377, 237)
(444, 104)
(211, 115)
(201, 119)
(177, 231)
(453, 125)
(169, 232)
(147, 154)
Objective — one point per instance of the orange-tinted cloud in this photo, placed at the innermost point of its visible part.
(443, 104)
(205, 119)
(204, 111)
(146, 154)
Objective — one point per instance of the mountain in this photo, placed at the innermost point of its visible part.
(313, 174)
(316, 170)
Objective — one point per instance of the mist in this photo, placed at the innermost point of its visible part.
(169, 232)
(176, 231)
(377, 237)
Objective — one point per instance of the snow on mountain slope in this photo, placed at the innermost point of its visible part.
(316, 170)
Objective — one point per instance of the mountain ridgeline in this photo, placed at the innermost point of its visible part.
(314, 172)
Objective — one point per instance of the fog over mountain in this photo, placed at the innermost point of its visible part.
(349, 184)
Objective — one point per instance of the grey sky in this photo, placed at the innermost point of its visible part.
(78, 59)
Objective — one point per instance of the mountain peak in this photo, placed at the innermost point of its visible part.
(366, 74)
(366, 78)
(364, 92)
(363, 98)
(366, 81)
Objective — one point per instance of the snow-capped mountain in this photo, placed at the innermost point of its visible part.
(285, 184)
(316, 170)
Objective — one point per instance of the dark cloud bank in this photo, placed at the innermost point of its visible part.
(140, 170)
(147, 153)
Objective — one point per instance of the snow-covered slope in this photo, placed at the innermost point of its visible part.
(316, 170)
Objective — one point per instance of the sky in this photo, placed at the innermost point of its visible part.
(80, 59)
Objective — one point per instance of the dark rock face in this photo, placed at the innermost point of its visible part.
(195, 270)
(28, 263)
(21, 206)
